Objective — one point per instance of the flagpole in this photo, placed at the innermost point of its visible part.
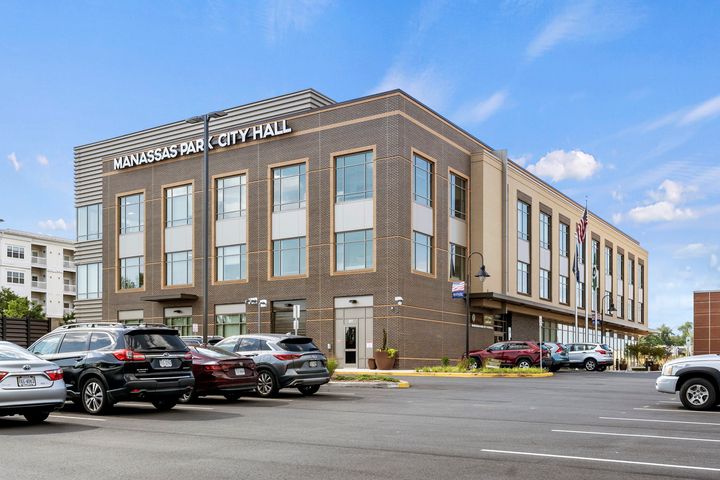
(577, 263)
(586, 272)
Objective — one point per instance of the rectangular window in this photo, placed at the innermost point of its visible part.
(523, 278)
(620, 277)
(422, 252)
(231, 196)
(132, 213)
(457, 261)
(89, 223)
(595, 272)
(564, 290)
(642, 276)
(16, 277)
(132, 273)
(182, 324)
(422, 181)
(564, 239)
(232, 263)
(458, 197)
(523, 220)
(289, 257)
(544, 284)
(178, 268)
(630, 308)
(631, 274)
(353, 177)
(89, 281)
(228, 325)
(545, 230)
(289, 187)
(178, 206)
(14, 251)
(354, 250)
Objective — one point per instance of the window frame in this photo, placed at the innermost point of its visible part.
(302, 258)
(86, 268)
(123, 268)
(15, 278)
(545, 230)
(452, 254)
(527, 280)
(302, 176)
(169, 222)
(190, 270)
(337, 245)
(244, 196)
(122, 211)
(564, 240)
(523, 235)
(431, 254)
(15, 251)
(366, 193)
(88, 237)
(243, 264)
(454, 174)
(431, 174)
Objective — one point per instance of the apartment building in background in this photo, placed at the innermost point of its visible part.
(341, 209)
(41, 268)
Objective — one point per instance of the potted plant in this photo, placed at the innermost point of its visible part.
(385, 357)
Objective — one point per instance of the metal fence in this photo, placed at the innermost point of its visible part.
(22, 331)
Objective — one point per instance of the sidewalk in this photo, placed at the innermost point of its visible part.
(413, 373)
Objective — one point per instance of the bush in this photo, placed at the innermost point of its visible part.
(332, 365)
(445, 361)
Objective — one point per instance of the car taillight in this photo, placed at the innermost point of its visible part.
(212, 368)
(601, 352)
(2, 375)
(287, 356)
(560, 350)
(126, 355)
(54, 375)
(188, 356)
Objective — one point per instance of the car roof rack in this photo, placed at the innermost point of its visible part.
(90, 325)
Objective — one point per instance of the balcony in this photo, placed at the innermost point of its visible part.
(38, 285)
(70, 288)
(38, 261)
(68, 265)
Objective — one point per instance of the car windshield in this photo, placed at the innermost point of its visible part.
(12, 353)
(298, 345)
(155, 341)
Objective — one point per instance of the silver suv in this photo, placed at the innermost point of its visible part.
(697, 379)
(282, 361)
(590, 356)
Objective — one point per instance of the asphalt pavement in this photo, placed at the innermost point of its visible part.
(574, 425)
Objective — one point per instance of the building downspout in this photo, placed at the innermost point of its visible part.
(502, 154)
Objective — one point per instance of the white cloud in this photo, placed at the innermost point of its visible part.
(715, 262)
(617, 195)
(617, 218)
(694, 250)
(483, 109)
(283, 16)
(58, 224)
(671, 191)
(707, 109)
(43, 160)
(14, 161)
(426, 85)
(665, 204)
(561, 165)
(660, 211)
(522, 160)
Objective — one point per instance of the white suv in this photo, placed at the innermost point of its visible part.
(696, 378)
(590, 356)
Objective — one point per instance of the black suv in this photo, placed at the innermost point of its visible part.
(105, 363)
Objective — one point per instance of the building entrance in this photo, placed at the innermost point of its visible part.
(353, 336)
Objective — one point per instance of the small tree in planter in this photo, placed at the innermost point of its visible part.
(385, 357)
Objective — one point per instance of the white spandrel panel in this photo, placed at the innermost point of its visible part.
(545, 259)
(422, 219)
(457, 230)
(230, 231)
(178, 239)
(357, 215)
(132, 245)
(565, 266)
(289, 224)
(523, 251)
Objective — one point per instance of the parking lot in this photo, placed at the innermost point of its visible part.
(574, 425)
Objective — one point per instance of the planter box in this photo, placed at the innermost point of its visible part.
(383, 361)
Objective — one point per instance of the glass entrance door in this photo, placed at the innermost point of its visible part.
(351, 346)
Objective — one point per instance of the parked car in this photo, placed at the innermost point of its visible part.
(590, 356)
(282, 361)
(697, 378)
(105, 363)
(219, 372)
(559, 355)
(198, 339)
(29, 385)
(519, 354)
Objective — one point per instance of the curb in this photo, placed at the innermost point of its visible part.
(458, 375)
(400, 384)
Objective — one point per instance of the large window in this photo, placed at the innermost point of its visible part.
(89, 280)
(16, 277)
(354, 177)
(458, 197)
(608, 264)
(523, 220)
(132, 272)
(132, 213)
(564, 290)
(289, 257)
(544, 286)
(354, 250)
(457, 261)
(595, 272)
(641, 296)
(422, 181)
(14, 251)
(232, 263)
(89, 223)
(182, 324)
(564, 239)
(523, 278)
(178, 206)
(422, 252)
(289, 187)
(178, 268)
(232, 324)
(231, 196)
(545, 230)
(620, 277)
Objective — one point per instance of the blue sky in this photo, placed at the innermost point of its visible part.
(619, 101)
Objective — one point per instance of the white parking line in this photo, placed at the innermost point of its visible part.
(604, 460)
(79, 418)
(638, 435)
(674, 402)
(657, 421)
(191, 407)
(678, 410)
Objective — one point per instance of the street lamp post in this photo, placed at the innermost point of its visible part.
(482, 275)
(611, 309)
(205, 120)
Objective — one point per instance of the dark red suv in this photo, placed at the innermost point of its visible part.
(219, 372)
(513, 354)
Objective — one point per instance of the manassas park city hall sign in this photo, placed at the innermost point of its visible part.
(190, 147)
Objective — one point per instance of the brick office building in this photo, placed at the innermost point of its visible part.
(361, 212)
(706, 322)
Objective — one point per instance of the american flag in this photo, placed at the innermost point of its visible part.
(582, 226)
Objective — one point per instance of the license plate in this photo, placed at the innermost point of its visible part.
(313, 363)
(240, 372)
(26, 381)
(165, 363)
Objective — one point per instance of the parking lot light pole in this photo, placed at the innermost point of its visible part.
(205, 120)
(482, 275)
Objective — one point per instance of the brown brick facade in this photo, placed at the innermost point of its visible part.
(706, 317)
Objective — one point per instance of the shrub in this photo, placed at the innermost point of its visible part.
(445, 361)
(332, 365)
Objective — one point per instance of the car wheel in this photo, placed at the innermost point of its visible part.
(94, 397)
(554, 368)
(165, 404)
(267, 385)
(36, 417)
(698, 394)
(590, 364)
(523, 363)
(188, 397)
(309, 389)
(602, 368)
(232, 397)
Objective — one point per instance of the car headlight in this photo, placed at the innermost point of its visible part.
(669, 370)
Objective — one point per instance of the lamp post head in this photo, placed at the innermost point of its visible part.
(197, 119)
(217, 114)
(482, 274)
(612, 308)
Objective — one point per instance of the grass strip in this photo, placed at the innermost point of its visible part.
(364, 378)
(498, 371)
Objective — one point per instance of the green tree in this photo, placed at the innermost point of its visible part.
(15, 306)
(686, 331)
